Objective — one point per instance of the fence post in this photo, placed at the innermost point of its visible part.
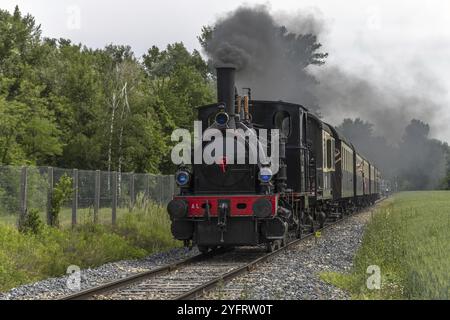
(131, 191)
(75, 197)
(150, 195)
(114, 198)
(49, 194)
(147, 187)
(161, 190)
(172, 187)
(23, 195)
(96, 195)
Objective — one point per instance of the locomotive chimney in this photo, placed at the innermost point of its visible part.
(225, 87)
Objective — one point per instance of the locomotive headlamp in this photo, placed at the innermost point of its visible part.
(265, 175)
(222, 118)
(182, 178)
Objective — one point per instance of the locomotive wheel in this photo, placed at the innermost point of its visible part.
(311, 224)
(322, 224)
(283, 242)
(299, 231)
(271, 246)
(203, 249)
(314, 227)
(322, 219)
(215, 248)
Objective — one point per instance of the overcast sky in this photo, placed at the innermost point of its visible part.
(402, 41)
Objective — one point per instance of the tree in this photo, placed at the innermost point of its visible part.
(66, 105)
(28, 130)
(417, 163)
(423, 159)
(179, 81)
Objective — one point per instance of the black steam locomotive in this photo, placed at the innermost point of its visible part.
(321, 177)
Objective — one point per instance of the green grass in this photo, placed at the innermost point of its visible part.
(26, 258)
(84, 216)
(9, 220)
(409, 239)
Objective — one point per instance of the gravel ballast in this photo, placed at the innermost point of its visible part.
(53, 288)
(294, 273)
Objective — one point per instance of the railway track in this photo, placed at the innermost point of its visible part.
(190, 278)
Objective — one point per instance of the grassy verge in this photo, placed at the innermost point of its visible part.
(31, 257)
(84, 216)
(409, 239)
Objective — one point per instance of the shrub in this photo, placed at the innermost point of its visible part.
(32, 222)
(147, 227)
(31, 256)
(61, 193)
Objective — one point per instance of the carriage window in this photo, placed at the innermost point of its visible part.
(350, 161)
(344, 160)
(347, 160)
(329, 153)
(282, 121)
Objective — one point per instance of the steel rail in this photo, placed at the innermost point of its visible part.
(125, 282)
(203, 288)
(210, 285)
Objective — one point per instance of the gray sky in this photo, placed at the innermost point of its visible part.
(405, 42)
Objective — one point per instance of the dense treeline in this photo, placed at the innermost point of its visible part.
(416, 163)
(66, 105)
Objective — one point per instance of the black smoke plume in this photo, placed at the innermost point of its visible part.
(270, 59)
(279, 58)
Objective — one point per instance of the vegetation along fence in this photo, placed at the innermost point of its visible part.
(77, 196)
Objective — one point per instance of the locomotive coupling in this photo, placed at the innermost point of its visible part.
(322, 217)
(224, 209)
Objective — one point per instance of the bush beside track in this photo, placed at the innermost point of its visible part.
(29, 257)
(409, 239)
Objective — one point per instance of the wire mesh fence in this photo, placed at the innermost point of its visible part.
(95, 196)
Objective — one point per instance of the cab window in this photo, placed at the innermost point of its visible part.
(329, 153)
(282, 121)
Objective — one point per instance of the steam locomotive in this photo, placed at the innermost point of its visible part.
(321, 176)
